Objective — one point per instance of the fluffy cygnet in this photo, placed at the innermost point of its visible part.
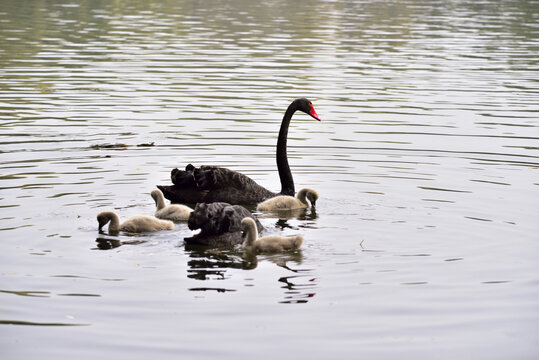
(285, 202)
(137, 223)
(174, 212)
(272, 243)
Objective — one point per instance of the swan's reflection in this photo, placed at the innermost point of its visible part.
(299, 214)
(299, 289)
(209, 263)
(280, 260)
(213, 264)
(107, 243)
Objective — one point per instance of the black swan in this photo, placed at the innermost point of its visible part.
(219, 224)
(209, 184)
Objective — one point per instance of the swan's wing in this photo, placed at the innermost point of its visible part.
(145, 223)
(240, 213)
(213, 177)
(282, 202)
(183, 178)
(212, 218)
(226, 239)
(218, 218)
(174, 212)
(217, 224)
(208, 178)
(213, 184)
(204, 215)
(223, 180)
(179, 195)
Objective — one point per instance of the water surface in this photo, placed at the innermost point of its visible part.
(424, 242)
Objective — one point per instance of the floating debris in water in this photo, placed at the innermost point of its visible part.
(108, 146)
(118, 146)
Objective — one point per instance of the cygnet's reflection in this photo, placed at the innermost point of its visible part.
(299, 214)
(209, 263)
(107, 243)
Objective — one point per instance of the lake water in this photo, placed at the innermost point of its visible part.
(424, 243)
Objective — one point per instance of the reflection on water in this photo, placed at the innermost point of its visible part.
(284, 215)
(32, 323)
(207, 263)
(428, 146)
(105, 243)
(213, 264)
(297, 287)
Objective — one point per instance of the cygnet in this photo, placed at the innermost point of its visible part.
(285, 202)
(174, 212)
(136, 224)
(273, 243)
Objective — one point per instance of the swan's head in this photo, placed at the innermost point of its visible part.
(155, 194)
(312, 196)
(247, 224)
(103, 218)
(307, 107)
(308, 194)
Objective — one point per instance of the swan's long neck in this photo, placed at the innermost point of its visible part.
(250, 233)
(287, 182)
(114, 222)
(302, 196)
(160, 201)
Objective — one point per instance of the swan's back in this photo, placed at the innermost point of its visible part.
(219, 223)
(217, 240)
(217, 217)
(174, 212)
(208, 184)
(145, 223)
(282, 202)
(275, 243)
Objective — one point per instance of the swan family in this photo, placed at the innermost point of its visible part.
(218, 194)
(209, 184)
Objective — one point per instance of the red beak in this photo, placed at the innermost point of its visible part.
(313, 113)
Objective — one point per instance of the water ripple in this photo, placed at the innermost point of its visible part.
(427, 150)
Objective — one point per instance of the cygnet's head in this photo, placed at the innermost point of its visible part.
(102, 219)
(248, 229)
(248, 223)
(155, 194)
(312, 196)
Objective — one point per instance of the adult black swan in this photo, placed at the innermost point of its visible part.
(216, 184)
(219, 224)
